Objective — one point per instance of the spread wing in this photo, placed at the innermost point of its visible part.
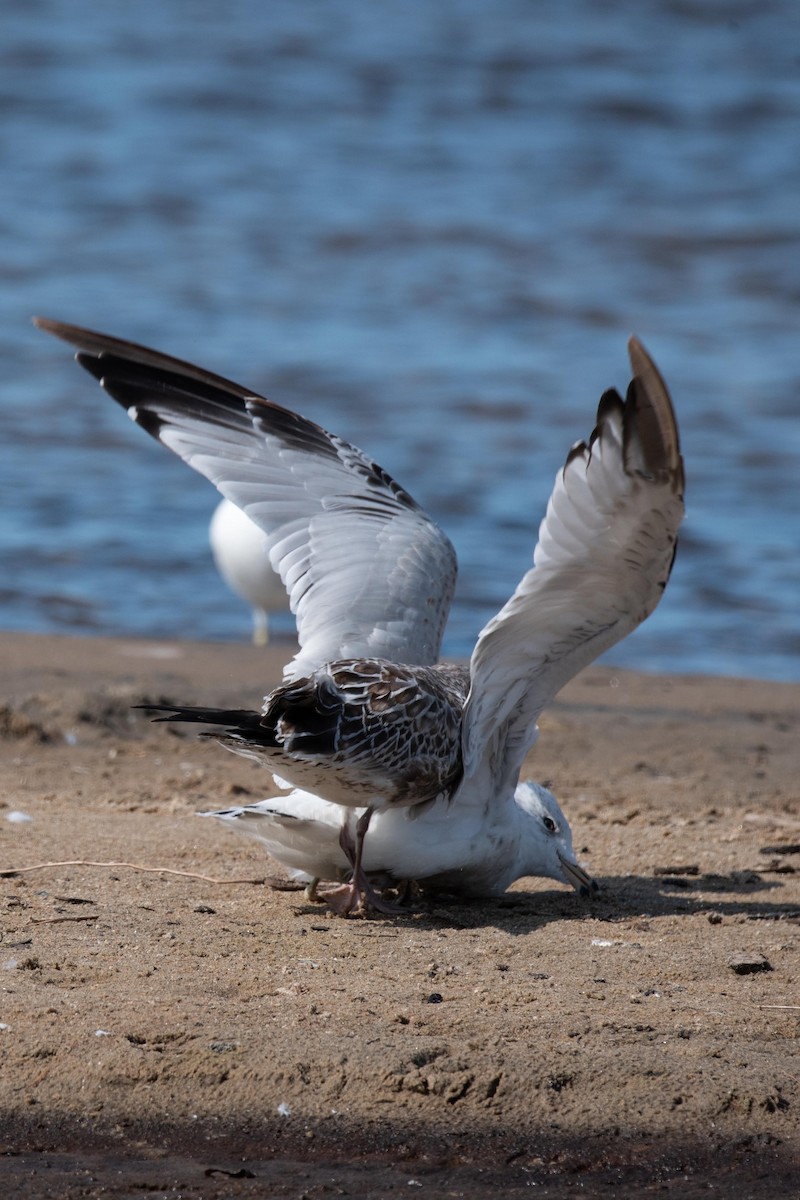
(603, 559)
(367, 571)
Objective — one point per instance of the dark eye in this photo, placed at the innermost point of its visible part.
(550, 824)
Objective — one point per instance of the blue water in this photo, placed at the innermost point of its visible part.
(430, 227)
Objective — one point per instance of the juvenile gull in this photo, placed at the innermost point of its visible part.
(366, 718)
(240, 554)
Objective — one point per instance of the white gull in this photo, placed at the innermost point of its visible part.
(478, 854)
(367, 719)
(239, 549)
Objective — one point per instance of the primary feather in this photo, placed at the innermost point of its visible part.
(366, 719)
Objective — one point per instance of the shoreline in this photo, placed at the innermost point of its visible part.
(162, 1026)
(41, 648)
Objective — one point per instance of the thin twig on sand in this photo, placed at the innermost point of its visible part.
(269, 880)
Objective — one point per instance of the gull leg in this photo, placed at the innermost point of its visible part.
(260, 627)
(370, 896)
(358, 895)
(347, 898)
(310, 892)
(405, 891)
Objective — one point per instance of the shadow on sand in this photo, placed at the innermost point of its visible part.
(256, 1157)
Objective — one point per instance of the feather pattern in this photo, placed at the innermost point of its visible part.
(604, 555)
(367, 571)
(354, 730)
(366, 719)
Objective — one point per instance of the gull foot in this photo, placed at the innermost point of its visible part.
(373, 899)
(310, 891)
(344, 900)
(354, 898)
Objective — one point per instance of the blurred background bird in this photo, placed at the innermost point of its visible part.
(240, 555)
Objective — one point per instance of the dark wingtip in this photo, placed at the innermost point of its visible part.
(93, 345)
(610, 408)
(74, 334)
(90, 363)
(652, 416)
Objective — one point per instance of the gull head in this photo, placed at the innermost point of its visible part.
(547, 845)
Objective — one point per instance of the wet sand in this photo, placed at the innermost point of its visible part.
(185, 1026)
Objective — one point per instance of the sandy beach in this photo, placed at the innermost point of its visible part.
(173, 1021)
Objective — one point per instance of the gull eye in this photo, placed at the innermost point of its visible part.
(550, 824)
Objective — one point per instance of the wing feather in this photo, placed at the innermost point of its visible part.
(367, 571)
(603, 558)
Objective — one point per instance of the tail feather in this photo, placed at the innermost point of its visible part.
(307, 715)
(243, 724)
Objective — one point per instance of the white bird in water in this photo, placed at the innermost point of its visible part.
(367, 719)
(239, 549)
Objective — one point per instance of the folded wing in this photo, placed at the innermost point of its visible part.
(367, 571)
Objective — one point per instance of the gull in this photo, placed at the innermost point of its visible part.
(240, 554)
(470, 856)
(367, 718)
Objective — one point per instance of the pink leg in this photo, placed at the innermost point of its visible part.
(358, 895)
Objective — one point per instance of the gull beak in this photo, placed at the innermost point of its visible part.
(575, 874)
